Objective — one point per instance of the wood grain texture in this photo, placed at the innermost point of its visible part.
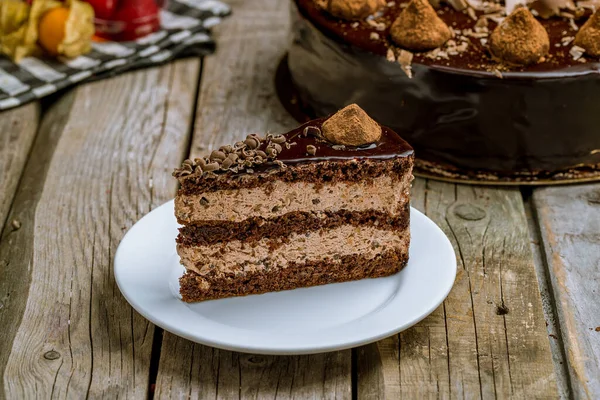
(192, 371)
(17, 131)
(16, 246)
(548, 302)
(569, 221)
(105, 156)
(489, 338)
(237, 97)
(237, 94)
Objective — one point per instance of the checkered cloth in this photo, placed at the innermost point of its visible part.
(185, 31)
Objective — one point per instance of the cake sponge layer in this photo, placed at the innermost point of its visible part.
(311, 273)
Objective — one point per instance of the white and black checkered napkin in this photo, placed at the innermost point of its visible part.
(185, 31)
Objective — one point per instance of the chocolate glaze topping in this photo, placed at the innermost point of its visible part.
(295, 150)
(476, 58)
(389, 146)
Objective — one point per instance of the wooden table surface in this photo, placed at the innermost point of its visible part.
(78, 170)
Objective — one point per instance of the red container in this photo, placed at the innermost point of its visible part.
(124, 20)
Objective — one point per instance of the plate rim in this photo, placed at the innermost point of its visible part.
(299, 350)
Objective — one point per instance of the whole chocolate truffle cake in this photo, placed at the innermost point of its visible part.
(481, 89)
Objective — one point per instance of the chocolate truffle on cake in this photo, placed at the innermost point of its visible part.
(351, 10)
(419, 28)
(520, 39)
(588, 36)
(326, 202)
(351, 126)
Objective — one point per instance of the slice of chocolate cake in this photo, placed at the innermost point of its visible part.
(327, 202)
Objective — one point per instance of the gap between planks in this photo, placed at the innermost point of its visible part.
(17, 132)
(548, 301)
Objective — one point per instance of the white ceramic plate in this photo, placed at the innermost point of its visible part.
(300, 321)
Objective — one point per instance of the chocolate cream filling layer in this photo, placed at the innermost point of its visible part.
(333, 244)
(385, 193)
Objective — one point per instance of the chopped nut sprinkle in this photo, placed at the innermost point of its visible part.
(380, 26)
(405, 60)
(576, 52)
(573, 24)
(481, 23)
(391, 57)
(566, 40)
(472, 14)
(311, 150)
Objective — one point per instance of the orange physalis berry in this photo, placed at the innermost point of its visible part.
(52, 29)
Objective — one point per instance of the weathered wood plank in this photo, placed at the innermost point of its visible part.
(16, 245)
(378, 371)
(237, 97)
(489, 339)
(17, 131)
(569, 222)
(188, 370)
(103, 159)
(548, 303)
(237, 94)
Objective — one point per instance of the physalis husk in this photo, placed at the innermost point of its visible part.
(79, 30)
(13, 20)
(50, 26)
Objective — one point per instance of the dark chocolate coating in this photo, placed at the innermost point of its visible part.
(330, 163)
(527, 122)
(390, 145)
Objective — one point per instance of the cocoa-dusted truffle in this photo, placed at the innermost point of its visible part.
(520, 39)
(419, 28)
(351, 10)
(351, 126)
(588, 36)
